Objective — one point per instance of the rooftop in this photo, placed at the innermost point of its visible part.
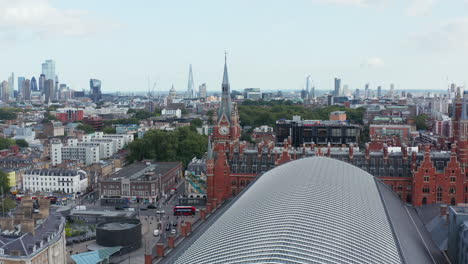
(314, 210)
(137, 170)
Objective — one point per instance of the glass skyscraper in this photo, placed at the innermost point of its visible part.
(48, 69)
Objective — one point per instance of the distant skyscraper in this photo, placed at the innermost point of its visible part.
(202, 90)
(11, 86)
(308, 87)
(366, 91)
(379, 91)
(34, 87)
(49, 90)
(42, 80)
(95, 86)
(48, 69)
(190, 86)
(357, 93)
(337, 87)
(312, 92)
(20, 84)
(26, 90)
(392, 90)
(345, 90)
(5, 93)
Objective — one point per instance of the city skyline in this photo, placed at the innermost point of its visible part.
(414, 44)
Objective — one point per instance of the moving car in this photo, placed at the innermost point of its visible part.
(156, 232)
(173, 231)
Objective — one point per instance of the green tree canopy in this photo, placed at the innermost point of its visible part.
(421, 122)
(6, 143)
(180, 145)
(109, 130)
(86, 128)
(22, 143)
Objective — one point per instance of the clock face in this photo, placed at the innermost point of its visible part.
(224, 130)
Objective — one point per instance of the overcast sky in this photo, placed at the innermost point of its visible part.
(271, 44)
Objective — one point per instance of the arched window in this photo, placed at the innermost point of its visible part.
(424, 201)
(452, 190)
(453, 202)
(439, 194)
(233, 192)
(234, 183)
(242, 183)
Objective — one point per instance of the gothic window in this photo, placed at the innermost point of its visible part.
(453, 179)
(400, 187)
(452, 190)
(233, 183)
(242, 183)
(439, 194)
(426, 189)
(426, 178)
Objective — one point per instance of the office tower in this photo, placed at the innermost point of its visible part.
(392, 90)
(312, 92)
(357, 93)
(95, 86)
(11, 85)
(5, 93)
(42, 80)
(345, 90)
(307, 89)
(379, 91)
(48, 69)
(366, 91)
(20, 84)
(190, 86)
(34, 87)
(337, 87)
(26, 90)
(49, 90)
(202, 90)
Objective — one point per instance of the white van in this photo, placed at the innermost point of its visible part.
(156, 232)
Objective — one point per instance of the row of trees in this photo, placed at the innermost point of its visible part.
(8, 142)
(257, 113)
(180, 145)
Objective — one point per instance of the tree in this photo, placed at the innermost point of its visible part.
(210, 114)
(4, 183)
(421, 122)
(86, 128)
(8, 113)
(180, 145)
(109, 130)
(6, 143)
(22, 143)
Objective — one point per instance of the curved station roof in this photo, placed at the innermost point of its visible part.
(313, 210)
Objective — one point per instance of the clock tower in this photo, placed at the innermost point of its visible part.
(225, 138)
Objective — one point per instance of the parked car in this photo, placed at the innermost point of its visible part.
(174, 223)
(173, 231)
(151, 206)
(156, 232)
(160, 212)
(168, 227)
(118, 208)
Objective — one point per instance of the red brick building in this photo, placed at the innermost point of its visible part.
(424, 177)
(70, 115)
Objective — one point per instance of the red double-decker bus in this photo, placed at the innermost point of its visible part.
(184, 210)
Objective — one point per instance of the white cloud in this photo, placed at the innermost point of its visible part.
(40, 18)
(373, 62)
(452, 35)
(420, 7)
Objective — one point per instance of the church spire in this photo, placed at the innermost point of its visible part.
(225, 106)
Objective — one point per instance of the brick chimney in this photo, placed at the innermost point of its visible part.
(351, 151)
(27, 226)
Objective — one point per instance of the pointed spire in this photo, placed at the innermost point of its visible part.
(225, 74)
(190, 85)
